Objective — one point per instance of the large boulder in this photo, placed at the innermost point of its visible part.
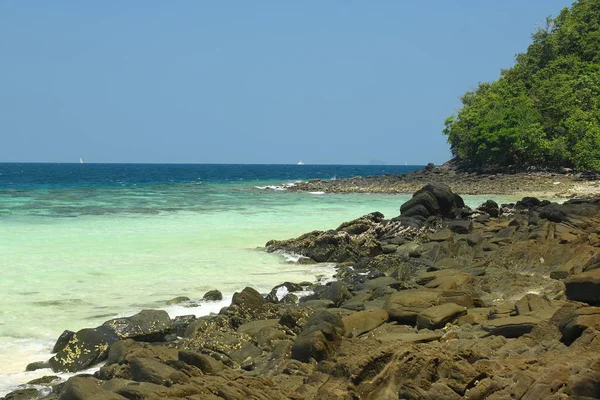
(145, 326)
(438, 316)
(320, 338)
(584, 287)
(84, 388)
(364, 321)
(434, 199)
(405, 305)
(511, 327)
(573, 325)
(84, 349)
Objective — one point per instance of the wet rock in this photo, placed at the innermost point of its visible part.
(62, 341)
(24, 394)
(584, 287)
(438, 316)
(213, 295)
(147, 326)
(253, 327)
(320, 337)
(180, 324)
(34, 366)
(86, 348)
(45, 380)
(178, 300)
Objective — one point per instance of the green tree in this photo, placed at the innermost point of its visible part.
(545, 110)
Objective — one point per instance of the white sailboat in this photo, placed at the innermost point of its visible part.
(300, 162)
(80, 160)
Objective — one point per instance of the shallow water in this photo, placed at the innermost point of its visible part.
(73, 256)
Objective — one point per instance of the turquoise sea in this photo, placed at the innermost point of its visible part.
(83, 243)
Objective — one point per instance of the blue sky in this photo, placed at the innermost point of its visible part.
(247, 81)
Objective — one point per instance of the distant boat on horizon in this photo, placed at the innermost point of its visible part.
(80, 160)
(300, 162)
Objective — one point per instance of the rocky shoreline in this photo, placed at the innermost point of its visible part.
(440, 302)
(466, 182)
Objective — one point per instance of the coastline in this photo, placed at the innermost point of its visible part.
(497, 282)
(536, 184)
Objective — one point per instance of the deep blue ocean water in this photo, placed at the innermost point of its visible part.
(40, 175)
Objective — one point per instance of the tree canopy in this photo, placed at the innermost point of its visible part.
(545, 110)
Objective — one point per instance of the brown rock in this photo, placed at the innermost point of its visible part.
(364, 321)
(438, 316)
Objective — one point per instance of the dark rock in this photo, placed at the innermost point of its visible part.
(44, 380)
(528, 202)
(83, 388)
(147, 326)
(336, 292)
(389, 248)
(490, 207)
(584, 287)
(180, 324)
(554, 213)
(206, 364)
(62, 341)
(177, 300)
(153, 371)
(438, 316)
(212, 295)
(86, 348)
(320, 337)
(23, 394)
(441, 236)
(460, 226)
(34, 366)
(248, 298)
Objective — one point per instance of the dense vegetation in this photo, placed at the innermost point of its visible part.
(545, 110)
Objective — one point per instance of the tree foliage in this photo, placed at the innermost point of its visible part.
(545, 110)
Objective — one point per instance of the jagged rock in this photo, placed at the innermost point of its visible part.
(572, 325)
(320, 337)
(584, 287)
(433, 199)
(147, 326)
(532, 304)
(86, 348)
(511, 327)
(438, 316)
(253, 327)
(364, 321)
(213, 295)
